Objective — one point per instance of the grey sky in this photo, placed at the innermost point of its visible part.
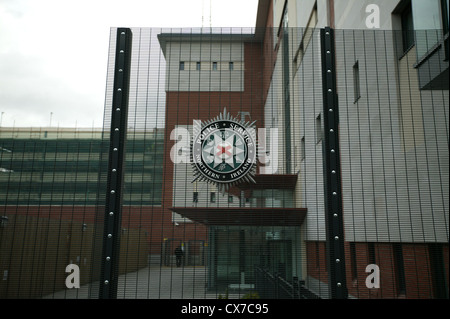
(53, 53)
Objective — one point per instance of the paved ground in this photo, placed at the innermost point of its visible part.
(154, 283)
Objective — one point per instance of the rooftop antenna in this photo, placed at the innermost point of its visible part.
(203, 14)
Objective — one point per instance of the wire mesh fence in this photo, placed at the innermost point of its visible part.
(224, 185)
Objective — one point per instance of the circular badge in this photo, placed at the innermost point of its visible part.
(224, 151)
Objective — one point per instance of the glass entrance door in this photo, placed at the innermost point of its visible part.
(236, 251)
(279, 257)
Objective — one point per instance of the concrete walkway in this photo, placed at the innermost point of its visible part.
(153, 283)
(164, 283)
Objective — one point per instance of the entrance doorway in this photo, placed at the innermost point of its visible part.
(235, 252)
(279, 257)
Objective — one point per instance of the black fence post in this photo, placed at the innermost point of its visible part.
(113, 208)
(332, 170)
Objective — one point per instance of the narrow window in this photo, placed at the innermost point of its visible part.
(399, 268)
(445, 15)
(318, 128)
(195, 197)
(354, 267)
(212, 197)
(231, 66)
(356, 82)
(230, 198)
(302, 146)
(181, 65)
(445, 25)
(214, 66)
(198, 66)
(438, 271)
(306, 37)
(371, 249)
(407, 28)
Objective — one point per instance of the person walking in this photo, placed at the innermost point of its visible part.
(178, 255)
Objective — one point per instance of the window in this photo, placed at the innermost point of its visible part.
(438, 270)
(195, 197)
(407, 28)
(306, 37)
(231, 66)
(445, 15)
(212, 197)
(285, 21)
(182, 66)
(230, 198)
(428, 25)
(399, 268)
(214, 66)
(318, 128)
(427, 14)
(354, 267)
(302, 146)
(198, 66)
(356, 82)
(371, 252)
(445, 24)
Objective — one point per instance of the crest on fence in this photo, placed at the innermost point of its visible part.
(224, 151)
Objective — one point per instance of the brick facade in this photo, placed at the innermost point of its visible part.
(417, 269)
(183, 107)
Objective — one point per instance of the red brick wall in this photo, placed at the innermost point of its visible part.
(182, 108)
(418, 275)
(316, 260)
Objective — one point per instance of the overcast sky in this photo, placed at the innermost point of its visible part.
(53, 53)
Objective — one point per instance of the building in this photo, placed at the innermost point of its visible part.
(392, 83)
(393, 146)
(62, 166)
(208, 74)
(52, 199)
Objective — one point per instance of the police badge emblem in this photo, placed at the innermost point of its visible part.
(224, 151)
